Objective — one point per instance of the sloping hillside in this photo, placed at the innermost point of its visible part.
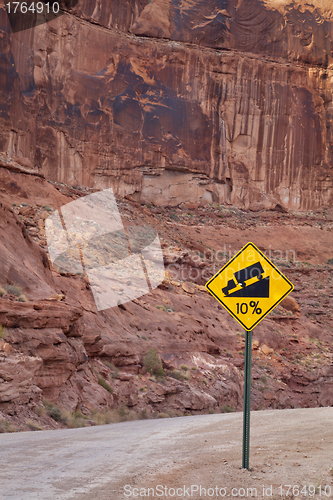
(57, 347)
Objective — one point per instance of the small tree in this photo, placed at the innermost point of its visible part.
(153, 364)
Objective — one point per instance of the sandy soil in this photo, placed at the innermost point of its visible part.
(288, 447)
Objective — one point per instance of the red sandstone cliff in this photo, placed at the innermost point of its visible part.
(177, 101)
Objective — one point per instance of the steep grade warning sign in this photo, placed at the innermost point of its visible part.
(249, 286)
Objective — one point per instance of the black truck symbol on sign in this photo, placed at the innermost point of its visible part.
(259, 288)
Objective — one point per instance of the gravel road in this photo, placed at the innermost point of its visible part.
(288, 447)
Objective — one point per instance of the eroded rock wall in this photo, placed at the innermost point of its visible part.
(177, 102)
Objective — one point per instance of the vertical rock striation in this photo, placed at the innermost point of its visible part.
(177, 101)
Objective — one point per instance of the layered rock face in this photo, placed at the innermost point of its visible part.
(55, 345)
(171, 101)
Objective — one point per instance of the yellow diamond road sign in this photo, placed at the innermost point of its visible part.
(249, 286)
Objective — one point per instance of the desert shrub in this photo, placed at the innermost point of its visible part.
(113, 368)
(153, 363)
(53, 411)
(33, 425)
(163, 415)
(184, 367)
(227, 409)
(105, 417)
(179, 375)
(173, 413)
(102, 382)
(105, 385)
(2, 291)
(162, 308)
(3, 332)
(22, 298)
(6, 426)
(122, 411)
(14, 290)
(40, 410)
(124, 414)
(73, 420)
(143, 415)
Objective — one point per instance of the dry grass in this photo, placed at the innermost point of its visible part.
(227, 409)
(97, 417)
(40, 411)
(15, 290)
(102, 382)
(3, 332)
(77, 419)
(73, 420)
(105, 417)
(53, 410)
(113, 368)
(22, 298)
(163, 415)
(33, 425)
(6, 426)
(179, 375)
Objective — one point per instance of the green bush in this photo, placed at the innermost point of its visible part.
(53, 411)
(227, 409)
(153, 363)
(102, 382)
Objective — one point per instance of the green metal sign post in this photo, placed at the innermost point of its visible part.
(247, 400)
(249, 286)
